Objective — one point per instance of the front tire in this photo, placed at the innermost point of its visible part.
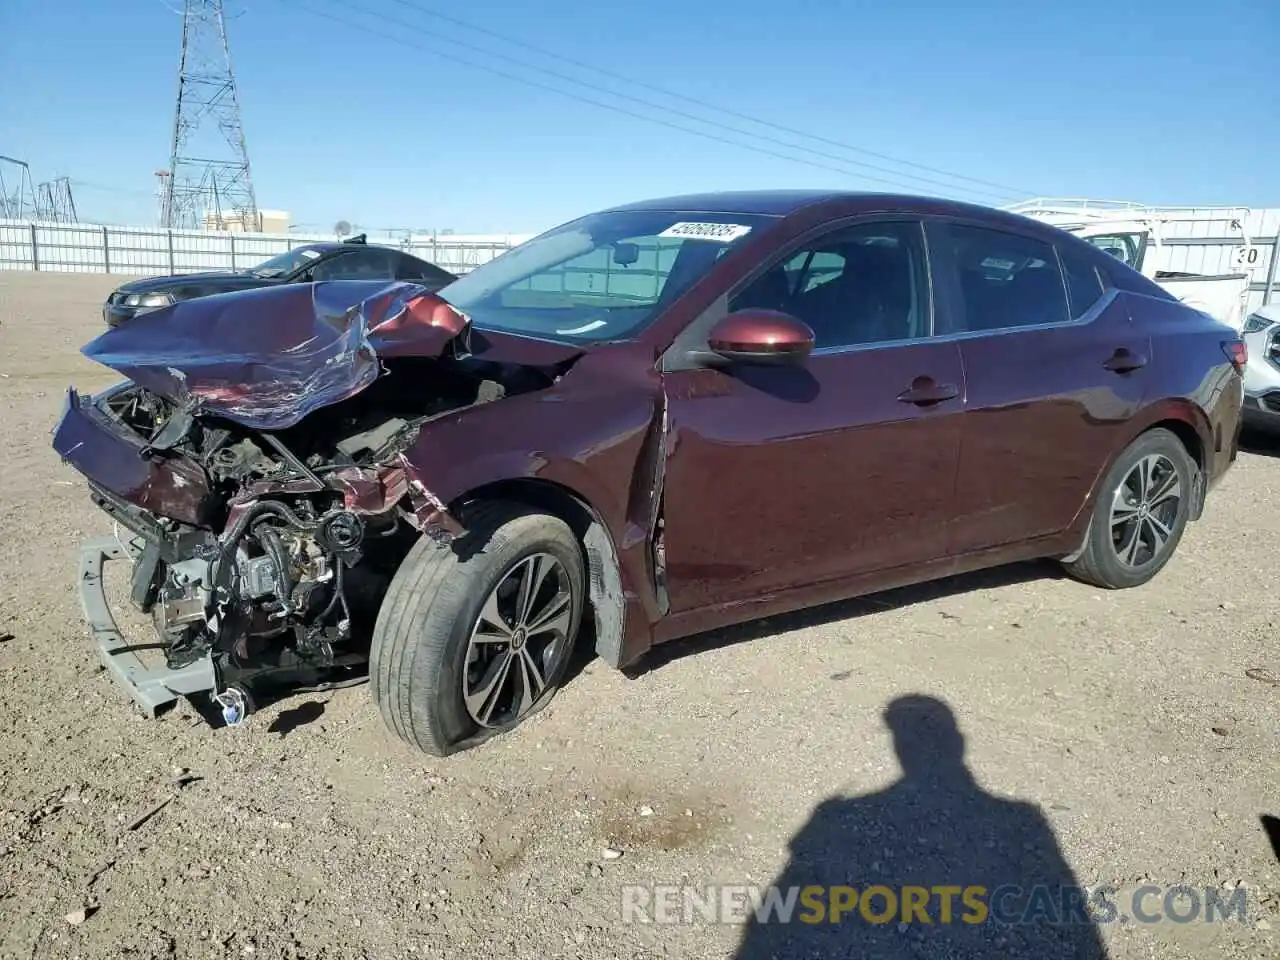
(474, 638)
(1142, 509)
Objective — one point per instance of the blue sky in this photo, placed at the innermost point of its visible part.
(1160, 102)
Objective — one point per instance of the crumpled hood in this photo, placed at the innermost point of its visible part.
(266, 358)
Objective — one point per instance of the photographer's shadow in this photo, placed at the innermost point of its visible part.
(935, 827)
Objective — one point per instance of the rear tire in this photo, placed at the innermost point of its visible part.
(453, 660)
(1143, 507)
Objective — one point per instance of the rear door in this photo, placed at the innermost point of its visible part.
(1054, 369)
(779, 477)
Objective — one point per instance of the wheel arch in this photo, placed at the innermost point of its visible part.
(1191, 426)
(605, 589)
(1186, 422)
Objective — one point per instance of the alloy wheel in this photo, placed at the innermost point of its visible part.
(1144, 510)
(518, 641)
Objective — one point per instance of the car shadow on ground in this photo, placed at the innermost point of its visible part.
(291, 719)
(846, 610)
(1260, 442)
(1271, 826)
(956, 871)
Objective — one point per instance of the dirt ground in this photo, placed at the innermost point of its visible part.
(1140, 729)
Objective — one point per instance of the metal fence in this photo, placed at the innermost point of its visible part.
(99, 248)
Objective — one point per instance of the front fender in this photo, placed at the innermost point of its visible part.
(537, 437)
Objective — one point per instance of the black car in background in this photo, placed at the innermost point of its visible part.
(351, 259)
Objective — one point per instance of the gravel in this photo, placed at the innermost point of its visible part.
(1139, 729)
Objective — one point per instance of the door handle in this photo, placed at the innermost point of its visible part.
(1125, 360)
(924, 392)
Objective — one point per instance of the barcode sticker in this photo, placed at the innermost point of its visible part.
(720, 232)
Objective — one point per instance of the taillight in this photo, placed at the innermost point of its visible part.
(1237, 352)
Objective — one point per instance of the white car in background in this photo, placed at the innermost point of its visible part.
(1262, 375)
(1201, 255)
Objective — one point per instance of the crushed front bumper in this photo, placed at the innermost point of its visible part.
(153, 688)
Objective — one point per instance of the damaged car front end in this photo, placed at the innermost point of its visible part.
(254, 464)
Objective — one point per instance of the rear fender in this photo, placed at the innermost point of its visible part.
(1179, 416)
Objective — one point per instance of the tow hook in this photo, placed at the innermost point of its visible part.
(235, 704)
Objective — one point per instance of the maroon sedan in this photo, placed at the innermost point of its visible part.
(651, 421)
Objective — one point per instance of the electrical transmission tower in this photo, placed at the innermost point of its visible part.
(209, 184)
(18, 196)
(54, 201)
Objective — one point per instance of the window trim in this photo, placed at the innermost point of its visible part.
(694, 335)
(1103, 288)
(949, 281)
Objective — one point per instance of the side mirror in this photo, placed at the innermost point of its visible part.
(761, 337)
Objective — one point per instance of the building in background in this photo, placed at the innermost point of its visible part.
(260, 221)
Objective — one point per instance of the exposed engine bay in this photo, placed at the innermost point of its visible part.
(262, 457)
(279, 578)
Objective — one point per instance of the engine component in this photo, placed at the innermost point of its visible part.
(258, 577)
(239, 461)
(371, 441)
(341, 533)
(184, 596)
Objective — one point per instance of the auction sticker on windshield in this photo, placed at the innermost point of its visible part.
(720, 232)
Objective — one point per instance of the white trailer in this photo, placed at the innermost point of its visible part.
(1218, 259)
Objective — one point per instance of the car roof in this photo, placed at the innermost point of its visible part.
(781, 203)
(769, 202)
(328, 246)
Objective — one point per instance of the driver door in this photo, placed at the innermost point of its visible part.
(784, 476)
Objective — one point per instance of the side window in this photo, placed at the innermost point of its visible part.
(795, 268)
(1006, 280)
(860, 285)
(371, 264)
(1123, 246)
(1084, 285)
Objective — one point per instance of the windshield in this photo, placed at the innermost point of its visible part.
(285, 263)
(602, 277)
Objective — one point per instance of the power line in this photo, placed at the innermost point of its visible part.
(1005, 189)
(739, 131)
(88, 185)
(848, 171)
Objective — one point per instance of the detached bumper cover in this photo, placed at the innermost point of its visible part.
(151, 687)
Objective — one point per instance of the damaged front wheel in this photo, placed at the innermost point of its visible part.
(473, 638)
